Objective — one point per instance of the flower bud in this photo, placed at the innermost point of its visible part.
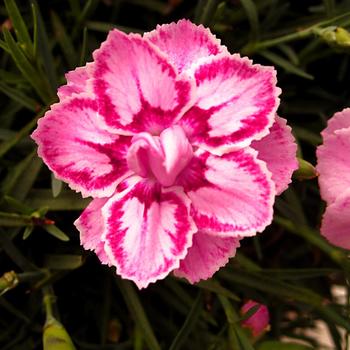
(258, 322)
(55, 336)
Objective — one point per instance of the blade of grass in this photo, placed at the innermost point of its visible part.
(16, 95)
(137, 312)
(285, 64)
(189, 324)
(253, 18)
(20, 27)
(64, 40)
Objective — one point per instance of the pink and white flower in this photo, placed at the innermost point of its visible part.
(334, 178)
(258, 323)
(178, 143)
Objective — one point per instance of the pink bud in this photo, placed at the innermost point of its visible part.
(258, 323)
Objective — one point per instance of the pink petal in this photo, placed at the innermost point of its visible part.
(336, 221)
(340, 120)
(278, 150)
(163, 157)
(75, 147)
(207, 254)
(148, 230)
(258, 323)
(334, 165)
(235, 103)
(90, 225)
(138, 88)
(77, 82)
(185, 43)
(231, 195)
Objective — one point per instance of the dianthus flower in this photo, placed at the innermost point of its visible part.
(258, 323)
(162, 131)
(334, 178)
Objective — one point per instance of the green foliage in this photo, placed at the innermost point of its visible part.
(289, 267)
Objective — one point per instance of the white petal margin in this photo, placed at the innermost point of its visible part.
(148, 230)
(206, 256)
(90, 225)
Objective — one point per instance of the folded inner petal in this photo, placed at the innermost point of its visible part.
(231, 195)
(207, 254)
(333, 165)
(138, 89)
(278, 150)
(185, 43)
(91, 226)
(336, 221)
(235, 103)
(148, 230)
(340, 120)
(78, 150)
(77, 82)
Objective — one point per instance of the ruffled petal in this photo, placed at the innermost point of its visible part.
(278, 150)
(235, 103)
(207, 254)
(148, 230)
(336, 221)
(77, 82)
(138, 89)
(75, 147)
(90, 225)
(334, 165)
(340, 120)
(231, 195)
(185, 43)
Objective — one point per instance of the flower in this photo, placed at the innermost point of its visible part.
(258, 323)
(176, 140)
(333, 166)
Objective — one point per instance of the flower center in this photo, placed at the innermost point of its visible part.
(162, 157)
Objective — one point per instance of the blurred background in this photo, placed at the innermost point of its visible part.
(289, 267)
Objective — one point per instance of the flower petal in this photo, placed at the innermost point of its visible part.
(77, 82)
(148, 230)
(90, 225)
(207, 254)
(340, 120)
(231, 195)
(235, 103)
(336, 221)
(334, 164)
(278, 150)
(185, 43)
(138, 88)
(78, 151)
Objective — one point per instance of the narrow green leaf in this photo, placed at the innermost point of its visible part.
(205, 11)
(253, 17)
(56, 232)
(44, 51)
(188, 325)
(137, 312)
(7, 145)
(285, 64)
(16, 95)
(30, 73)
(64, 40)
(215, 287)
(20, 27)
(82, 59)
(56, 185)
(89, 7)
(4, 46)
(63, 261)
(27, 232)
(66, 200)
(14, 220)
(106, 27)
(329, 7)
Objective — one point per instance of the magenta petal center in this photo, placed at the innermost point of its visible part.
(161, 157)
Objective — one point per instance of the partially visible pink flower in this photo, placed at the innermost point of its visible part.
(258, 323)
(178, 143)
(334, 178)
